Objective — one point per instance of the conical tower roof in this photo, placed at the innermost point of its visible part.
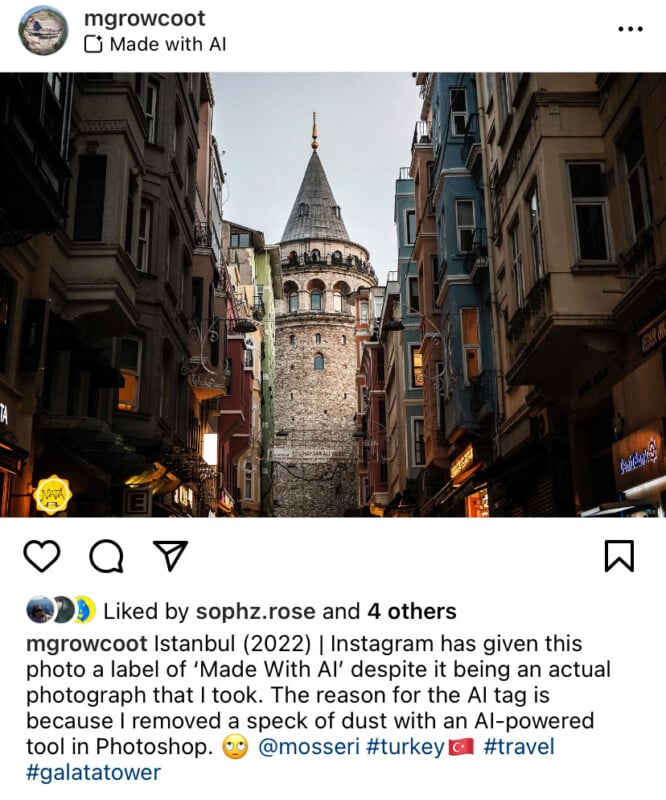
(315, 214)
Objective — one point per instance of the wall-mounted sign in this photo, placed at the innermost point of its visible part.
(52, 494)
(639, 457)
(653, 335)
(4, 414)
(462, 463)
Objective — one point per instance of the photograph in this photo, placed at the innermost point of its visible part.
(332, 294)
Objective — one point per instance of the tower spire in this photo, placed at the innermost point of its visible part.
(315, 143)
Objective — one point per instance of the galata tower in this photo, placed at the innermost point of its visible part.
(320, 325)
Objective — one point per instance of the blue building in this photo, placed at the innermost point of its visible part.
(467, 373)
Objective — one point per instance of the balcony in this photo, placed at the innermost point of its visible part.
(202, 235)
(476, 260)
(471, 146)
(422, 134)
(100, 289)
(547, 344)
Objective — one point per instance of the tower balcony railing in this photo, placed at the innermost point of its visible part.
(307, 261)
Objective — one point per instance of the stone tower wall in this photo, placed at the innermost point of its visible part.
(316, 407)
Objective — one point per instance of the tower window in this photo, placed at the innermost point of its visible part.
(317, 338)
(292, 339)
(315, 300)
(319, 361)
(293, 301)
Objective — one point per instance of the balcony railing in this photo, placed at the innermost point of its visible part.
(422, 133)
(202, 235)
(527, 320)
(471, 145)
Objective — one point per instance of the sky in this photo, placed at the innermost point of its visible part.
(365, 121)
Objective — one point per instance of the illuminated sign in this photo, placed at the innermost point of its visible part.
(4, 414)
(654, 335)
(52, 494)
(639, 457)
(463, 462)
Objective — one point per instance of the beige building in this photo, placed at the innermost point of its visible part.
(570, 165)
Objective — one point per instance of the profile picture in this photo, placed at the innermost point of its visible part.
(43, 30)
(40, 609)
(65, 609)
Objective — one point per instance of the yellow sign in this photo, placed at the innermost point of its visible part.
(463, 462)
(52, 494)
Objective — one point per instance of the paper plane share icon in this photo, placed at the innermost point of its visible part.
(172, 551)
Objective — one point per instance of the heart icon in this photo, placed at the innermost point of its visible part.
(41, 554)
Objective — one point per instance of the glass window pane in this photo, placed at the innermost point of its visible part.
(470, 328)
(587, 180)
(465, 212)
(591, 232)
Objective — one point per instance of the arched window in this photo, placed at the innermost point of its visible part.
(293, 301)
(317, 338)
(292, 339)
(315, 256)
(343, 339)
(336, 257)
(315, 300)
(319, 361)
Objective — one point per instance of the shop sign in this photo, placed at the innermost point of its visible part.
(654, 335)
(52, 495)
(4, 414)
(639, 457)
(462, 463)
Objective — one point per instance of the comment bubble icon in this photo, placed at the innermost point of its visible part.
(106, 556)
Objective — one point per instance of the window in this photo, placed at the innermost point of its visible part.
(470, 343)
(410, 227)
(150, 111)
(517, 267)
(248, 489)
(337, 302)
(143, 249)
(434, 268)
(293, 301)
(413, 300)
(292, 339)
(535, 234)
(172, 251)
(589, 200)
(343, 339)
(637, 179)
(315, 256)
(465, 225)
(7, 291)
(336, 257)
(315, 300)
(90, 189)
(418, 453)
(364, 310)
(197, 300)
(319, 361)
(458, 102)
(240, 240)
(129, 364)
(416, 371)
(129, 215)
(317, 338)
